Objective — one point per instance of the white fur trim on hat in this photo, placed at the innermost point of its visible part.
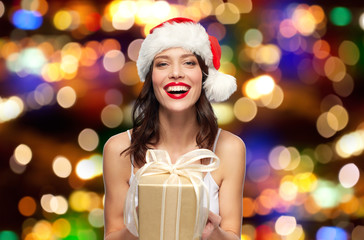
(193, 37)
(219, 86)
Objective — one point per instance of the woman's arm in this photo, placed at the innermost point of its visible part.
(231, 151)
(116, 172)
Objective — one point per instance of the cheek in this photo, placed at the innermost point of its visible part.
(198, 80)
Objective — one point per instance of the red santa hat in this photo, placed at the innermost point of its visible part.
(192, 36)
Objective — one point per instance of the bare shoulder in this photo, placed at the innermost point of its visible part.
(231, 151)
(115, 163)
(117, 143)
(229, 143)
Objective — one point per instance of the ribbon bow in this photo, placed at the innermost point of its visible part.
(159, 162)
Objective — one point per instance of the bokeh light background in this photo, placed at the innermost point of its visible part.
(68, 80)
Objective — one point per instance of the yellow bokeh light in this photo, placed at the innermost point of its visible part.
(295, 159)
(256, 87)
(245, 109)
(120, 22)
(62, 20)
(51, 72)
(69, 64)
(335, 69)
(45, 202)
(144, 14)
(61, 228)
(23, 154)
(350, 144)
(288, 190)
(304, 21)
(61, 167)
(123, 8)
(58, 205)
(297, 234)
(10, 108)
(79, 201)
(227, 13)
(341, 115)
(205, 6)
(89, 168)
(160, 9)
(244, 6)
(269, 54)
(306, 182)
(74, 49)
(325, 123)
(223, 112)
(88, 139)
(285, 225)
(274, 99)
(111, 116)
(66, 97)
(43, 230)
(128, 75)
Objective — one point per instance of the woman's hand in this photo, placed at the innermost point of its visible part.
(213, 222)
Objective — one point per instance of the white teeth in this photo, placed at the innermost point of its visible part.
(177, 88)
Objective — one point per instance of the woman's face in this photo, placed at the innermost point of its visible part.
(177, 79)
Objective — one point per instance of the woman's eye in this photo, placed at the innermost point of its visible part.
(161, 64)
(192, 63)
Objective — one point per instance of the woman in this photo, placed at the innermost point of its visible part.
(178, 61)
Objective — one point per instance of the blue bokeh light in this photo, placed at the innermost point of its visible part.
(331, 233)
(27, 20)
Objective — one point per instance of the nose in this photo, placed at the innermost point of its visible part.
(176, 72)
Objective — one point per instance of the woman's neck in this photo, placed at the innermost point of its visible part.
(178, 132)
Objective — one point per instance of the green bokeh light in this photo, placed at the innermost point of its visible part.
(8, 235)
(340, 16)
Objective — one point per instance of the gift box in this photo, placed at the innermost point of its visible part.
(150, 210)
(168, 201)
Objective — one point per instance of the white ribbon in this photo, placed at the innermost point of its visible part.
(159, 162)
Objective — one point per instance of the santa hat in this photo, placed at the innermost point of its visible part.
(185, 33)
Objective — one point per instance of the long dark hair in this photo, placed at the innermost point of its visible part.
(146, 123)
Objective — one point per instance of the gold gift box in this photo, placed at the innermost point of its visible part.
(150, 194)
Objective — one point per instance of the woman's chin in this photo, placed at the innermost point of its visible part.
(178, 108)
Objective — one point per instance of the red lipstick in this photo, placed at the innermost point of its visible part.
(177, 90)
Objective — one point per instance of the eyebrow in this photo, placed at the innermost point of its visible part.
(182, 56)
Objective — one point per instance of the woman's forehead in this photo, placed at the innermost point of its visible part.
(174, 51)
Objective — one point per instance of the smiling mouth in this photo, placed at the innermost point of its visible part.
(177, 90)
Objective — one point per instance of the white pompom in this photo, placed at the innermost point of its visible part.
(219, 86)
